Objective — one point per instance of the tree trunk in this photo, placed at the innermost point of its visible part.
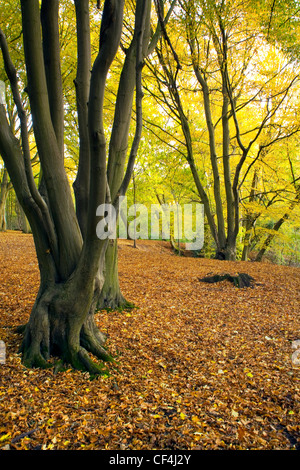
(111, 295)
(82, 85)
(23, 222)
(230, 250)
(2, 217)
(250, 219)
(118, 180)
(230, 246)
(62, 325)
(4, 190)
(246, 247)
(278, 224)
(270, 237)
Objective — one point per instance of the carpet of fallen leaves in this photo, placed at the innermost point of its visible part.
(199, 366)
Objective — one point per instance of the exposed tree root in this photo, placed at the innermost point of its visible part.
(241, 280)
(112, 300)
(79, 359)
(53, 331)
(93, 340)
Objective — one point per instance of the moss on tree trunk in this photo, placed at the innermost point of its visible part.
(111, 295)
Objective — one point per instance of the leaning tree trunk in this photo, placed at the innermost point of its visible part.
(279, 223)
(270, 238)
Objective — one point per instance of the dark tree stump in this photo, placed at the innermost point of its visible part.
(240, 281)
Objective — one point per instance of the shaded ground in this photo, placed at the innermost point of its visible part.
(200, 366)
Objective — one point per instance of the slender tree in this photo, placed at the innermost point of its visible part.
(277, 225)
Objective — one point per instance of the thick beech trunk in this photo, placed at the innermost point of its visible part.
(62, 325)
(71, 266)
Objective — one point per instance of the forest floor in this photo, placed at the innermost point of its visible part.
(198, 366)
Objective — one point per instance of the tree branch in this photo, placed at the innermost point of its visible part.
(12, 76)
(51, 51)
(139, 99)
(82, 87)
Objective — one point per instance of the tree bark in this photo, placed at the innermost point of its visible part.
(131, 79)
(279, 223)
(4, 190)
(56, 181)
(250, 219)
(270, 237)
(111, 295)
(82, 86)
(213, 159)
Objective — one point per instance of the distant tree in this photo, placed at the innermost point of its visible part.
(273, 192)
(216, 68)
(278, 224)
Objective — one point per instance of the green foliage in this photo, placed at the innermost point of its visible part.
(279, 20)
